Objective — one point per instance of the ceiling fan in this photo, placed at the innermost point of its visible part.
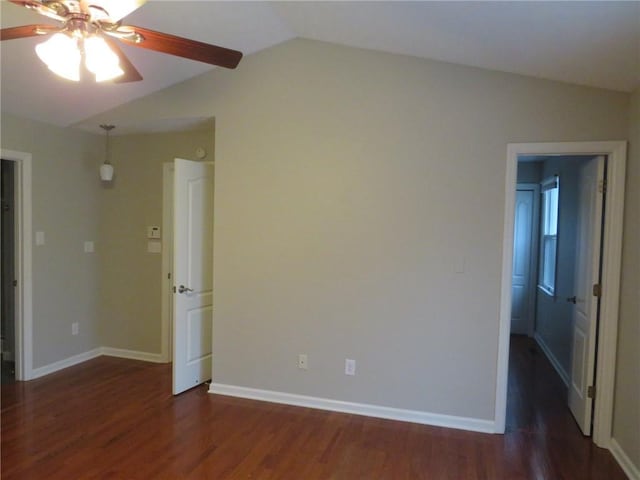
(89, 29)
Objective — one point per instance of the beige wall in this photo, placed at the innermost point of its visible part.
(627, 395)
(350, 185)
(114, 293)
(130, 289)
(65, 207)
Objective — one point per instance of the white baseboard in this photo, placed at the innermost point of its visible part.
(414, 416)
(67, 362)
(564, 376)
(632, 471)
(132, 354)
(96, 352)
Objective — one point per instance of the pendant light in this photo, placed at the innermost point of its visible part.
(106, 169)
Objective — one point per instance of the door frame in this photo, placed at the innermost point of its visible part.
(23, 255)
(616, 152)
(166, 282)
(533, 264)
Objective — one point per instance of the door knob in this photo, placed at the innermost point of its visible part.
(571, 299)
(182, 289)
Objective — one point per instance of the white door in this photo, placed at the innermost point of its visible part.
(585, 311)
(522, 296)
(192, 273)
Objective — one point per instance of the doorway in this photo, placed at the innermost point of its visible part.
(611, 257)
(22, 254)
(562, 271)
(8, 280)
(166, 293)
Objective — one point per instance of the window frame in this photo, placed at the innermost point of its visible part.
(549, 227)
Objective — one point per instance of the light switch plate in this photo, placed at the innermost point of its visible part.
(89, 247)
(39, 238)
(349, 366)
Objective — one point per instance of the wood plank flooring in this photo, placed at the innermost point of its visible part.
(111, 418)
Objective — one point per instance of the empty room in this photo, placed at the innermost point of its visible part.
(320, 240)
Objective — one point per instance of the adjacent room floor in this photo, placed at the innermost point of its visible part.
(111, 418)
(8, 371)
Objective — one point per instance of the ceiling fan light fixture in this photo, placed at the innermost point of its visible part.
(61, 55)
(101, 60)
(86, 34)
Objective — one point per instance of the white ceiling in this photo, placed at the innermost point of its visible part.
(587, 43)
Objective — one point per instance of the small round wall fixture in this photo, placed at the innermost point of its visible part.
(201, 153)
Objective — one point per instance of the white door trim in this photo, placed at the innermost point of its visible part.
(616, 152)
(167, 262)
(23, 251)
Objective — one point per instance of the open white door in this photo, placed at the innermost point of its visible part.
(585, 312)
(192, 273)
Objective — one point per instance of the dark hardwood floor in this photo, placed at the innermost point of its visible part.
(111, 418)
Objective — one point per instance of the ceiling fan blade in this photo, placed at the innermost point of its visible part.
(55, 10)
(114, 9)
(183, 47)
(131, 74)
(25, 31)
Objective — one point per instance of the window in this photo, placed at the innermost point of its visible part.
(549, 231)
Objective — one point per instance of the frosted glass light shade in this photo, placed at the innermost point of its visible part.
(101, 60)
(106, 172)
(61, 55)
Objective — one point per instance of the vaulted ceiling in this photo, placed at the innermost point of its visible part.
(588, 43)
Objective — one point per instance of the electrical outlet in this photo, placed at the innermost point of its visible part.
(74, 328)
(349, 366)
(302, 361)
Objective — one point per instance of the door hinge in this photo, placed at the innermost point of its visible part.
(169, 275)
(597, 290)
(602, 186)
(174, 289)
(591, 391)
(15, 283)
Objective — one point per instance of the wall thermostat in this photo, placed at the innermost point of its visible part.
(153, 232)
